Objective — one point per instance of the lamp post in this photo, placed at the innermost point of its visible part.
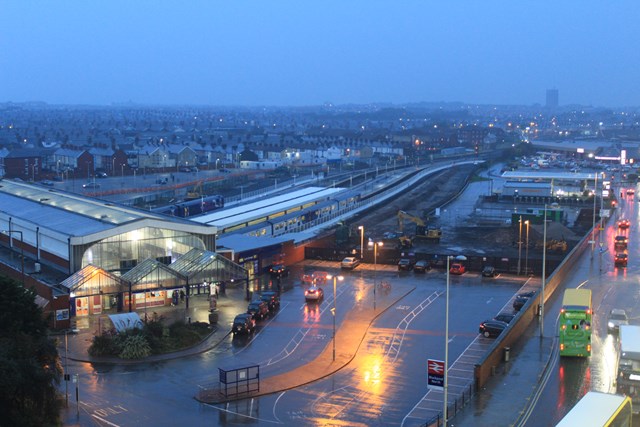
(21, 248)
(544, 270)
(333, 310)
(446, 345)
(526, 249)
(593, 225)
(375, 268)
(519, 244)
(361, 228)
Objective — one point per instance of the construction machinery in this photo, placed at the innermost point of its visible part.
(196, 192)
(422, 231)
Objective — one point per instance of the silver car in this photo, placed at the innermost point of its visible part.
(617, 317)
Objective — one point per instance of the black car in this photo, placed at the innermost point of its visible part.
(278, 270)
(272, 299)
(421, 266)
(521, 300)
(243, 324)
(489, 271)
(258, 309)
(492, 328)
(405, 264)
(505, 317)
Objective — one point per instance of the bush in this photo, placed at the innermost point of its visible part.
(135, 347)
(104, 345)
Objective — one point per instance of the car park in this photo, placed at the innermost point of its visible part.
(405, 264)
(489, 271)
(457, 268)
(243, 324)
(504, 317)
(621, 242)
(521, 299)
(349, 263)
(278, 271)
(624, 224)
(421, 266)
(492, 328)
(620, 260)
(272, 299)
(91, 185)
(314, 293)
(258, 309)
(617, 317)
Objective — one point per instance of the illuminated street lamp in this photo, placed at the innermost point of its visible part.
(375, 268)
(520, 245)
(446, 343)
(333, 310)
(526, 256)
(361, 228)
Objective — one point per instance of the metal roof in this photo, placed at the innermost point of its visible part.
(199, 264)
(100, 281)
(569, 176)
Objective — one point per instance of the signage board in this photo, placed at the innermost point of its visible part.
(435, 374)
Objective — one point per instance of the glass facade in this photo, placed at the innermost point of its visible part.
(119, 254)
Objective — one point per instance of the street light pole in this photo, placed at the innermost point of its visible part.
(593, 225)
(21, 248)
(375, 269)
(446, 346)
(520, 245)
(361, 228)
(333, 312)
(544, 271)
(526, 256)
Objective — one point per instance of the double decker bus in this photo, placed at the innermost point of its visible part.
(599, 409)
(575, 323)
(628, 381)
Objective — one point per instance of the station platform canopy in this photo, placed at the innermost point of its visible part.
(199, 265)
(568, 176)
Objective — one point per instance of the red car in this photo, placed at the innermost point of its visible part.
(624, 223)
(457, 269)
(620, 260)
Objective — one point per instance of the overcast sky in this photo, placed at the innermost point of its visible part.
(304, 52)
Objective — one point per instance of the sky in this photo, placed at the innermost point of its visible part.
(306, 53)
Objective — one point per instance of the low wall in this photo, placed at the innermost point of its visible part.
(495, 355)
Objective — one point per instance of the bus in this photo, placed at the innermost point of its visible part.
(628, 382)
(575, 323)
(599, 409)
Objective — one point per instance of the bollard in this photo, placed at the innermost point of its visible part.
(507, 353)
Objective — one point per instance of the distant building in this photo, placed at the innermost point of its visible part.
(552, 98)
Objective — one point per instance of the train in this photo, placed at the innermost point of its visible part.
(193, 207)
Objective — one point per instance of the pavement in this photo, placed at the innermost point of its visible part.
(503, 401)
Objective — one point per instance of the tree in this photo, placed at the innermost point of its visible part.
(29, 365)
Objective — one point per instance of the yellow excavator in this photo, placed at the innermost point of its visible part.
(195, 193)
(422, 232)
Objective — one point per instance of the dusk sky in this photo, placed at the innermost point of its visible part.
(309, 52)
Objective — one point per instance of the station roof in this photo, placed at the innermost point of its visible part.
(74, 215)
(565, 176)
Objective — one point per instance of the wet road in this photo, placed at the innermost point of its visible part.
(612, 287)
(380, 386)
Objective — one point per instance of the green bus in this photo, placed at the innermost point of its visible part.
(575, 323)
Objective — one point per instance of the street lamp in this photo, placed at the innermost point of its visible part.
(446, 344)
(333, 310)
(544, 271)
(375, 268)
(21, 248)
(526, 249)
(361, 228)
(520, 245)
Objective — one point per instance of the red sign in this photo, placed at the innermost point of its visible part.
(435, 373)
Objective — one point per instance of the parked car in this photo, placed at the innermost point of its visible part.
(278, 271)
(405, 264)
(91, 185)
(457, 268)
(272, 299)
(314, 293)
(258, 309)
(162, 180)
(624, 224)
(504, 317)
(243, 324)
(421, 266)
(349, 263)
(47, 182)
(617, 317)
(223, 170)
(621, 242)
(620, 260)
(492, 328)
(101, 175)
(521, 299)
(489, 271)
